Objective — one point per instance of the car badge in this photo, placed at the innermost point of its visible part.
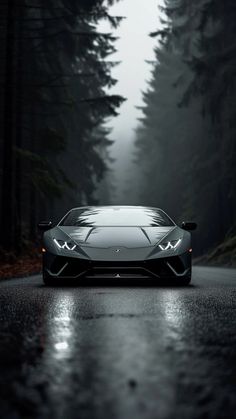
(117, 250)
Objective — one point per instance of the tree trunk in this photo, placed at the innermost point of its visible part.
(32, 193)
(19, 114)
(7, 225)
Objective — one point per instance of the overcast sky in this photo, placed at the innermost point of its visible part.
(134, 46)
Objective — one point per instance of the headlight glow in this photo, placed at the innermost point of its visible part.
(64, 244)
(169, 245)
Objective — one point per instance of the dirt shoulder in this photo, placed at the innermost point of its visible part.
(222, 255)
(13, 266)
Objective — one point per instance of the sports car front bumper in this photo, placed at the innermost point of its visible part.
(71, 268)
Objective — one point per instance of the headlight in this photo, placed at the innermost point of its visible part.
(65, 245)
(169, 245)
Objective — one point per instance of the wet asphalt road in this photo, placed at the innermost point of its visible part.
(124, 352)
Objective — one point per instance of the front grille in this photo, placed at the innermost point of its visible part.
(119, 271)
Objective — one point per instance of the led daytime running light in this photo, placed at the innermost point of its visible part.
(170, 245)
(65, 245)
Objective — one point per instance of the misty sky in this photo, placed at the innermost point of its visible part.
(134, 46)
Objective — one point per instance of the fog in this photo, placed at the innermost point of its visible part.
(134, 49)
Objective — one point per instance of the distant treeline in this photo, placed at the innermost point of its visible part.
(185, 143)
(54, 75)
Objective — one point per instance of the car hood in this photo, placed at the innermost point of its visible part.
(106, 237)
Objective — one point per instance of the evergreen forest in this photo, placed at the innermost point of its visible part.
(55, 76)
(185, 141)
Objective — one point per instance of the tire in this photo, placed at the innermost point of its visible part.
(185, 280)
(47, 279)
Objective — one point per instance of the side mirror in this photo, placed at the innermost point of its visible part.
(44, 225)
(187, 225)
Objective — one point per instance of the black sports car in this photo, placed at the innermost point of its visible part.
(116, 242)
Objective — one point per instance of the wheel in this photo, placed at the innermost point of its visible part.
(47, 279)
(185, 280)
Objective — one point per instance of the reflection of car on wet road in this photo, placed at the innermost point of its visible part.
(116, 242)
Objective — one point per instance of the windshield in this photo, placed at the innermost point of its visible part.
(116, 217)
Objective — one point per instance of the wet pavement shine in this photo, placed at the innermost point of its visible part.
(119, 352)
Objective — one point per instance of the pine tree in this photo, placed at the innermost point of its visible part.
(185, 143)
(56, 72)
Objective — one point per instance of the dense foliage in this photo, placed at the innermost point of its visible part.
(186, 137)
(55, 73)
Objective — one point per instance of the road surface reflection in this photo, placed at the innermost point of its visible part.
(103, 346)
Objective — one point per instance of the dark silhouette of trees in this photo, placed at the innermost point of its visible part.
(55, 72)
(186, 137)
